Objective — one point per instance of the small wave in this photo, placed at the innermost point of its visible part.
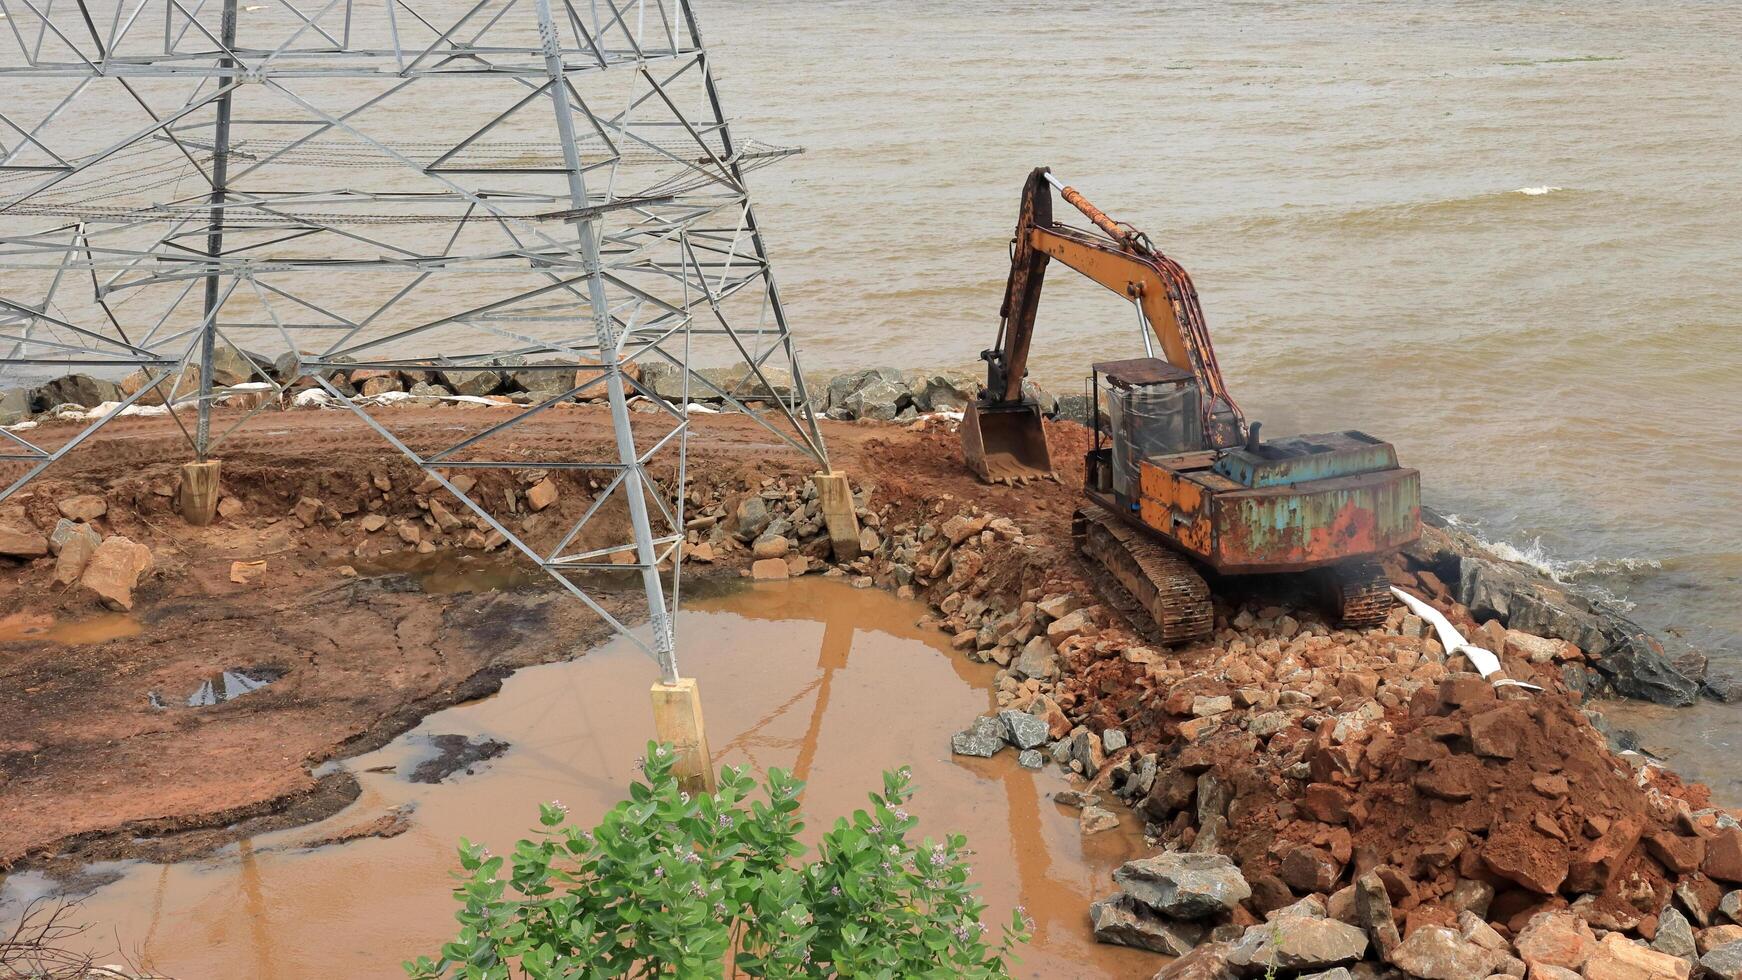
(1538, 190)
(1584, 574)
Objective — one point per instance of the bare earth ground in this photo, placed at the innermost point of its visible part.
(89, 769)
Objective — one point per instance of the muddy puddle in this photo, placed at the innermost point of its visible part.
(43, 628)
(809, 675)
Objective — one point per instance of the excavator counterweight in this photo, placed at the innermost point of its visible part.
(1178, 484)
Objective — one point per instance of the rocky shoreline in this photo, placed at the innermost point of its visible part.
(1386, 811)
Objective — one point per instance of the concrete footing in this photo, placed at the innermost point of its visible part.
(198, 496)
(835, 497)
(677, 721)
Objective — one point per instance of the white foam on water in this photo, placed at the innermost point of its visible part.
(1539, 190)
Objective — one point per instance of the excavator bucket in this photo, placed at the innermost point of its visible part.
(1003, 444)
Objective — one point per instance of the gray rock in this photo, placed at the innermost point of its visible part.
(1038, 659)
(1730, 906)
(844, 385)
(984, 738)
(1436, 953)
(881, 400)
(474, 383)
(1340, 973)
(1112, 740)
(233, 367)
(1030, 759)
(1142, 776)
(1122, 922)
(66, 529)
(1373, 913)
(1208, 961)
(1630, 659)
(1185, 886)
(77, 389)
(544, 380)
(1722, 961)
(423, 389)
(14, 405)
(753, 517)
(1301, 943)
(1023, 730)
(1674, 935)
(743, 384)
(950, 391)
(1095, 819)
(1075, 408)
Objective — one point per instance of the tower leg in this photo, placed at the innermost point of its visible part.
(835, 496)
(198, 498)
(677, 721)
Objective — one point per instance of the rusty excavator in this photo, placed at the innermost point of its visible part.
(1178, 483)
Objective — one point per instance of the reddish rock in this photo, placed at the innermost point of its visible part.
(1495, 733)
(1724, 855)
(1595, 865)
(1448, 778)
(1617, 958)
(1678, 854)
(22, 542)
(114, 569)
(1327, 803)
(1556, 939)
(1310, 869)
(541, 494)
(1518, 853)
(769, 568)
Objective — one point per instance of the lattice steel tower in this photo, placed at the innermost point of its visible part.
(394, 185)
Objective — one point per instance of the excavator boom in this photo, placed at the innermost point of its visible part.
(1002, 436)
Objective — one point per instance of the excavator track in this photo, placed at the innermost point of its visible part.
(1157, 590)
(1360, 593)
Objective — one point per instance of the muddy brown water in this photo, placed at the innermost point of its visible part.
(43, 628)
(811, 675)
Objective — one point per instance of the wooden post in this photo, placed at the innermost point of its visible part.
(677, 721)
(198, 499)
(835, 496)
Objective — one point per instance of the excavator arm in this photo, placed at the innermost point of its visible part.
(1002, 436)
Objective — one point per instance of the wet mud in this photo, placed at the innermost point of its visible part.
(833, 683)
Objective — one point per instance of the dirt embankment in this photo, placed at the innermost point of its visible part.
(365, 594)
(1312, 759)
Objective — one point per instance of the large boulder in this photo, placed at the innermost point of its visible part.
(842, 386)
(948, 391)
(1293, 943)
(114, 569)
(1185, 886)
(77, 389)
(1524, 599)
(880, 400)
(1556, 938)
(1437, 953)
(470, 381)
(233, 367)
(1723, 961)
(1120, 920)
(1618, 958)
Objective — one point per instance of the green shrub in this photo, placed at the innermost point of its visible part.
(674, 885)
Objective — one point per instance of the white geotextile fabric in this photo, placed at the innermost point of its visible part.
(1485, 662)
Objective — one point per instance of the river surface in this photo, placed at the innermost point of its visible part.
(829, 682)
(1505, 236)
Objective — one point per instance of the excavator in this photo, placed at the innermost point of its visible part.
(1179, 485)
